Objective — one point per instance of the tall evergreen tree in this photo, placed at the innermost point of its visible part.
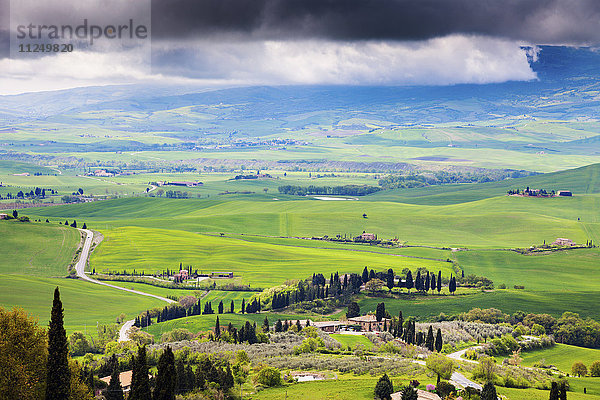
(166, 377)
(433, 281)
(489, 392)
(430, 341)
(554, 391)
(439, 281)
(220, 310)
(217, 328)
(452, 285)
(390, 278)
(58, 373)
(231, 307)
(400, 327)
(114, 391)
(438, 341)
(427, 283)
(409, 281)
(418, 282)
(243, 306)
(140, 383)
(562, 391)
(365, 275)
(380, 312)
(266, 325)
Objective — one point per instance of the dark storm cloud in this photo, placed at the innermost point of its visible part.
(564, 21)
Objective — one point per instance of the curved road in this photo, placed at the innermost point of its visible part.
(80, 268)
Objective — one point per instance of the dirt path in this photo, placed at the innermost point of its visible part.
(80, 268)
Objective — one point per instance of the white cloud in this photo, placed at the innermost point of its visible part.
(441, 61)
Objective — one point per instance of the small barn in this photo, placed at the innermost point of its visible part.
(565, 193)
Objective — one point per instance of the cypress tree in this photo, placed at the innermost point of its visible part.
(221, 307)
(140, 383)
(439, 281)
(181, 378)
(554, 391)
(58, 373)
(380, 312)
(217, 328)
(430, 342)
(409, 281)
(114, 391)
(243, 306)
(400, 327)
(418, 282)
(266, 325)
(365, 275)
(231, 307)
(562, 391)
(427, 283)
(166, 377)
(433, 286)
(438, 341)
(278, 326)
(452, 285)
(390, 278)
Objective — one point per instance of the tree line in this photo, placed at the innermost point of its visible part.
(345, 190)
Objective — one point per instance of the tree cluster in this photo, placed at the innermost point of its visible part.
(346, 190)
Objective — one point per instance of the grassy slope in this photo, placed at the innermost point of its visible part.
(257, 263)
(42, 250)
(584, 180)
(497, 222)
(509, 301)
(562, 356)
(34, 253)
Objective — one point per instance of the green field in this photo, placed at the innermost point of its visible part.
(509, 301)
(352, 340)
(562, 356)
(347, 387)
(42, 250)
(32, 255)
(85, 304)
(259, 264)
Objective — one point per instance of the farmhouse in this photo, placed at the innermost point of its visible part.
(368, 323)
(566, 193)
(329, 326)
(124, 378)
(563, 242)
(367, 236)
(3, 216)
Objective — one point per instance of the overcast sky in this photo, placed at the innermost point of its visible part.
(380, 42)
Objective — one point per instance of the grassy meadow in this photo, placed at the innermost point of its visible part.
(33, 261)
(562, 356)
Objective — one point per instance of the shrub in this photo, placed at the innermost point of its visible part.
(269, 376)
(384, 388)
(595, 369)
(444, 389)
(579, 369)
